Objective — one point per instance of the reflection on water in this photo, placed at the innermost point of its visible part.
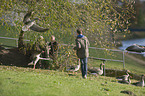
(127, 43)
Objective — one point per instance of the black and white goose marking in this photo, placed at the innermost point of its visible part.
(97, 71)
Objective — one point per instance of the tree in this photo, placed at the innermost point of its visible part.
(100, 19)
(97, 17)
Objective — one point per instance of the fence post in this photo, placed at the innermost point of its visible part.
(104, 67)
(123, 60)
(17, 43)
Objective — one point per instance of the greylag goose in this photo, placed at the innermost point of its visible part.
(123, 81)
(97, 71)
(124, 77)
(130, 93)
(35, 57)
(31, 50)
(36, 51)
(141, 83)
(28, 23)
(136, 48)
(74, 68)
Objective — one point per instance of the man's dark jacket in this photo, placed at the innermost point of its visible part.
(81, 48)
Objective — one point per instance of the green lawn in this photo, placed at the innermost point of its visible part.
(17, 81)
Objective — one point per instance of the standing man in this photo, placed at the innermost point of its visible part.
(82, 51)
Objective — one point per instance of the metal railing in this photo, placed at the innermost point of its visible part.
(102, 59)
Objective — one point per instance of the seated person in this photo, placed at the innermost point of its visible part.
(53, 45)
(53, 52)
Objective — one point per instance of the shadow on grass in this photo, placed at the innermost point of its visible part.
(12, 57)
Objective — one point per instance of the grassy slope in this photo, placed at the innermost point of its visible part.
(130, 64)
(16, 81)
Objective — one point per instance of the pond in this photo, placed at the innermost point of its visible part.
(127, 43)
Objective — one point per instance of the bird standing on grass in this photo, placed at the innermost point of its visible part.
(97, 71)
(124, 81)
(141, 83)
(74, 68)
(124, 77)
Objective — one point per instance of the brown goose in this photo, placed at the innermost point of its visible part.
(124, 77)
(130, 93)
(97, 71)
(34, 50)
(141, 83)
(136, 48)
(123, 81)
(74, 68)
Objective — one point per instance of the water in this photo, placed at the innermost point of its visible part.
(128, 43)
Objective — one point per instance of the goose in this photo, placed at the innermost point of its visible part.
(123, 81)
(35, 57)
(128, 92)
(97, 71)
(28, 23)
(31, 50)
(136, 48)
(74, 68)
(141, 83)
(124, 77)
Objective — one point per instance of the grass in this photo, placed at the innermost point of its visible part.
(130, 64)
(17, 81)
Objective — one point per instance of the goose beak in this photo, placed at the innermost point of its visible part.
(128, 71)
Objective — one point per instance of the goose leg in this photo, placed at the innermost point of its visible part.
(37, 59)
(34, 66)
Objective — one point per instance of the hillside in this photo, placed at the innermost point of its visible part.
(27, 82)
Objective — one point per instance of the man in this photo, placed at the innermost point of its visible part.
(53, 45)
(82, 51)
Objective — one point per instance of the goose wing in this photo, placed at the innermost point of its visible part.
(123, 77)
(27, 17)
(93, 70)
(123, 82)
(37, 28)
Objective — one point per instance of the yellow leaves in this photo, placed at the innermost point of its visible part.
(64, 17)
